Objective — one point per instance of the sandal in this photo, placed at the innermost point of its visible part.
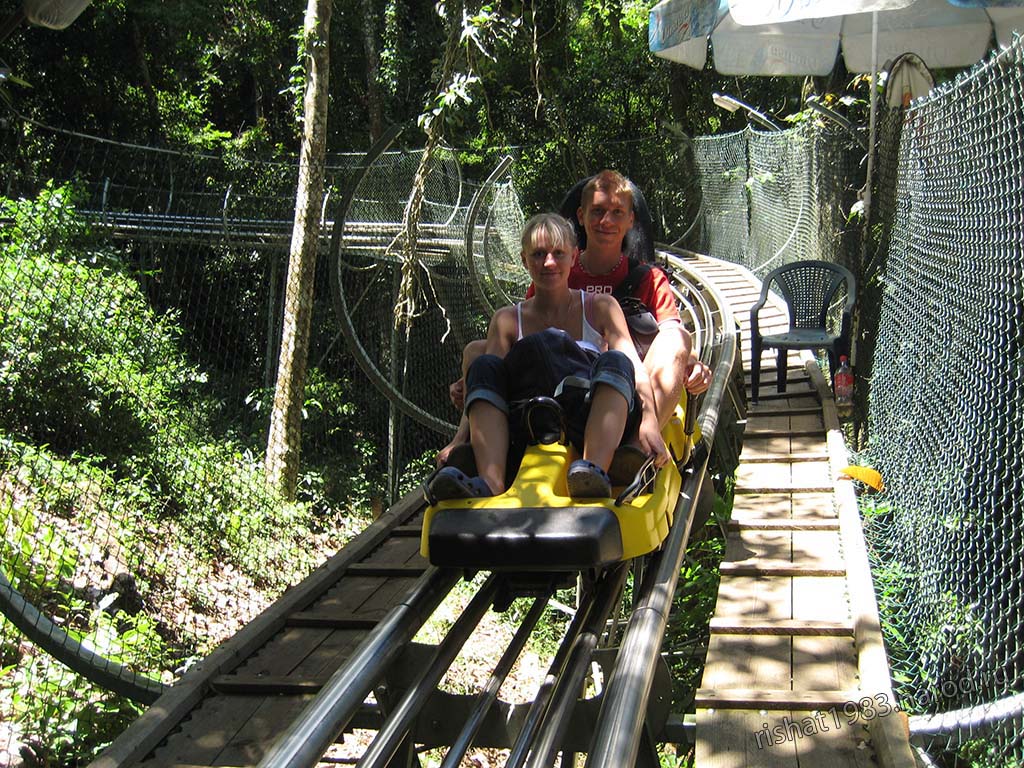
(586, 480)
(451, 483)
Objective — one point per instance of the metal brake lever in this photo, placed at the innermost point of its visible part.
(643, 479)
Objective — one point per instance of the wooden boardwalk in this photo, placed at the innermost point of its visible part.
(796, 674)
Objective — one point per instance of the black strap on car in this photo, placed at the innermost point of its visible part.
(637, 271)
(643, 326)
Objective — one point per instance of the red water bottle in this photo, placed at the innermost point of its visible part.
(843, 384)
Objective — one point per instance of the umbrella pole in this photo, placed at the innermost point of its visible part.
(872, 102)
(872, 108)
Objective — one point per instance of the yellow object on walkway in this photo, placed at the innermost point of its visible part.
(868, 476)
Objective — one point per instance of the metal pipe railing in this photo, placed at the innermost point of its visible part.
(389, 738)
(489, 694)
(969, 722)
(535, 716)
(570, 683)
(309, 736)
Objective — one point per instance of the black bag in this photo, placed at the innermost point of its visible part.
(643, 325)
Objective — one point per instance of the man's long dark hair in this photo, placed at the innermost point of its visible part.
(639, 241)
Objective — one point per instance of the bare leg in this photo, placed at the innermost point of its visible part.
(667, 363)
(461, 436)
(457, 392)
(605, 425)
(489, 436)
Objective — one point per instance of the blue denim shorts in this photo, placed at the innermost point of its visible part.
(536, 365)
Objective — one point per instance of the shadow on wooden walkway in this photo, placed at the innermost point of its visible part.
(796, 674)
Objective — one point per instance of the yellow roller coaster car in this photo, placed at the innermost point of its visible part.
(536, 526)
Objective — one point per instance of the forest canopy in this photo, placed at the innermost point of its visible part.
(570, 82)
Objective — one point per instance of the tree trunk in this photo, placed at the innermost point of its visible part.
(374, 101)
(283, 441)
(155, 129)
(679, 95)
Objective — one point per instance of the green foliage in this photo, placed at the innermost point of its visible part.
(112, 437)
(84, 359)
(92, 372)
(336, 443)
(67, 719)
(36, 559)
(668, 759)
(416, 471)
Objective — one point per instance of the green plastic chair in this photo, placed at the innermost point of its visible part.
(809, 289)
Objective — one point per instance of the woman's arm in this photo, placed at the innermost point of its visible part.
(608, 319)
(502, 332)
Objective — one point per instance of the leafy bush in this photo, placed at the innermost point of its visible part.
(66, 719)
(87, 366)
(90, 370)
(119, 459)
(337, 447)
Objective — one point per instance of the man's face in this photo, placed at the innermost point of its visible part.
(607, 218)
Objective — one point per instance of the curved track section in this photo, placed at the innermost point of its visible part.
(335, 652)
(347, 309)
(70, 651)
(464, 266)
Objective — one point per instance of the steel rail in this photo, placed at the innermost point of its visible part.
(395, 729)
(316, 728)
(968, 722)
(620, 724)
(535, 716)
(489, 694)
(570, 683)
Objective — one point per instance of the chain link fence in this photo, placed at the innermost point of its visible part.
(141, 298)
(946, 410)
(772, 197)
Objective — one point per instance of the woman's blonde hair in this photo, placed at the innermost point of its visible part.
(554, 228)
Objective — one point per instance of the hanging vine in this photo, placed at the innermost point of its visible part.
(465, 31)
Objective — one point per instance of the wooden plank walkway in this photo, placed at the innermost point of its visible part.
(796, 674)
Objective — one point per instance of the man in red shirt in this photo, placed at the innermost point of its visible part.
(606, 214)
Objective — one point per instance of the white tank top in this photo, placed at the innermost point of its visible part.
(592, 340)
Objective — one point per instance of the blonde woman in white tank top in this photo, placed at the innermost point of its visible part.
(590, 338)
(594, 322)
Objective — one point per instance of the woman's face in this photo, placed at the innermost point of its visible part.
(547, 262)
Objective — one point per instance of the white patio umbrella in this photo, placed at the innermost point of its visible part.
(783, 37)
(54, 14)
(765, 37)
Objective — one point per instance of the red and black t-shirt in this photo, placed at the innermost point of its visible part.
(653, 289)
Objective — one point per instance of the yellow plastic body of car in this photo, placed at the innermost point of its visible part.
(535, 525)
